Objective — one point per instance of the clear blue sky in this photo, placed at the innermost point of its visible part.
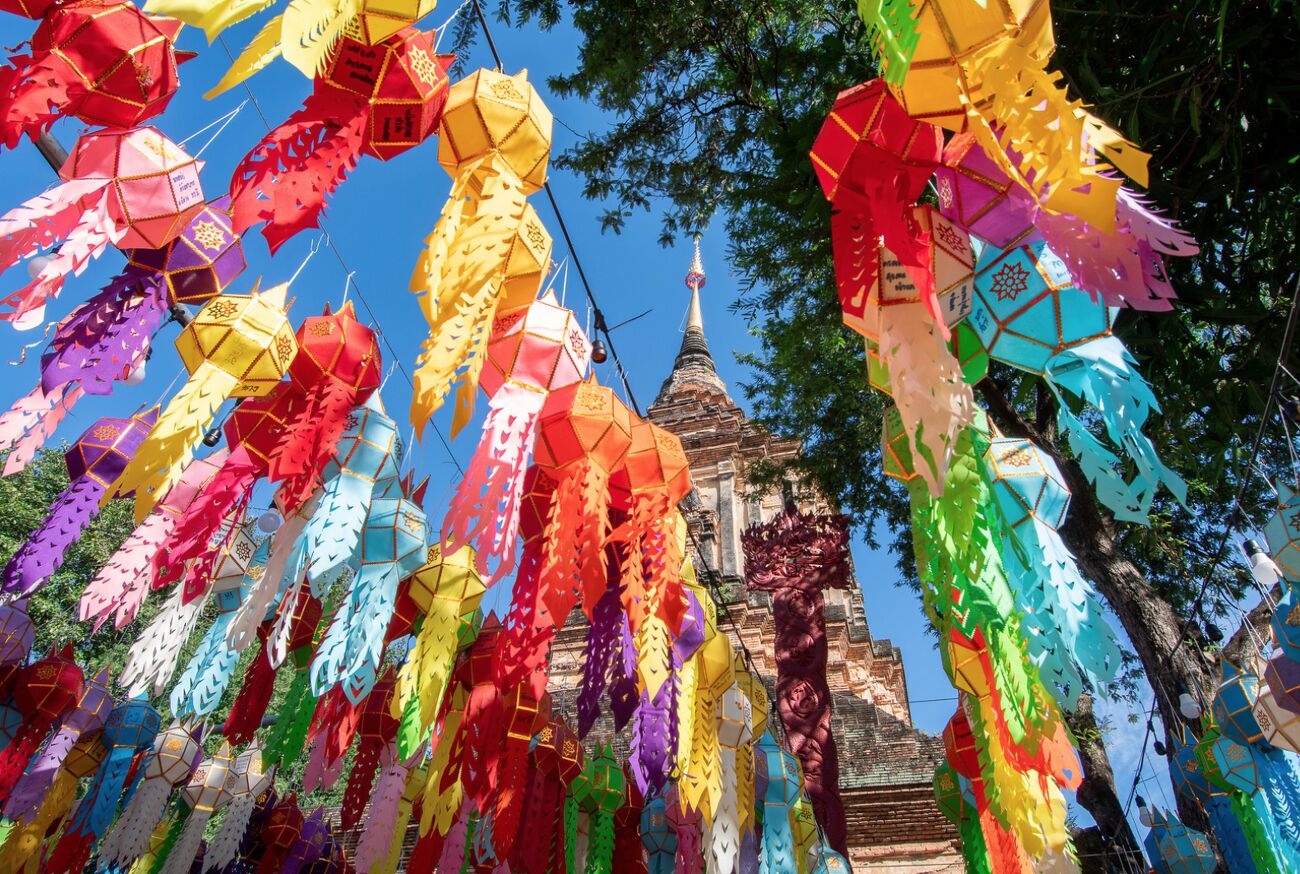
(377, 221)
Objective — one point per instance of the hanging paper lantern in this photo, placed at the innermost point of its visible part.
(446, 589)
(130, 728)
(600, 794)
(1283, 533)
(1125, 266)
(582, 441)
(127, 188)
(207, 791)
(393, 545)
(107, 64)
(23, 848)
(337, 368)
(1234, 703)
(153, 656)
(1283, 678)
(92, 708)
(236, 346)
(985, 69)
(1280, 726)
(1228, 765)
(176, 752)
(1069, 639)
(1180, 849)
(252, 432)
(246, 781)
(281, 832)
(557, 761)
(369, 99)
(656, 476)
(782, 773)
(488, 245)
(734, 731)
(533, 351)
(94, 464)
(1028, 315)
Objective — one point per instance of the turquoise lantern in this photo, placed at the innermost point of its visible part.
(1286, 624)
(1029, 316)
(1178, 849)
(1234, 705)
(1069, 639)
(1283, 533)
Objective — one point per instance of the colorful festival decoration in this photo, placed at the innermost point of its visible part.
(488, 246)
(105, 63)
(1028, 315)
(95, 464)
(378, 100)
(236, 346)
(128, 188)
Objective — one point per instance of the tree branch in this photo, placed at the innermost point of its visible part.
(1242, 646)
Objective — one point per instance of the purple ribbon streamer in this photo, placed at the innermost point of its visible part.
(42, 554)
(106, 334)
(601, 640)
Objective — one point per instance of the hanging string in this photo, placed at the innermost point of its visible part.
(224, 121)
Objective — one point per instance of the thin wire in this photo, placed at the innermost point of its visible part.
(220, 120)
(442, 28)
(356, 286)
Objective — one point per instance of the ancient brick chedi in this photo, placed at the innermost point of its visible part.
(885, 765)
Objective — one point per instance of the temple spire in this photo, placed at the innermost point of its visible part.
(693, 370)
(695, 349)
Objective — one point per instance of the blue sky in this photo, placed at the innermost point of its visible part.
(377, 221)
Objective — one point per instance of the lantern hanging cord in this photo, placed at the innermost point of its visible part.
(224, 121)
(355, 285)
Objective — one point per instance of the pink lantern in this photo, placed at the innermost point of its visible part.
(126, 188)
(533, 351)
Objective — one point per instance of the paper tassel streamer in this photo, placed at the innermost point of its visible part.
(111, 195)
(1125, 266)
(372, 846)
(533, 351)
(1028, 315)
(22, 848)
(236, 346)
(368, 445)
(734, 731)
(122, 584)
(488, 245)
(105, 339)
(252, 432)
(95, 462)
(245, 782)
(176, 752)
(1069, 638)
(581, 442)
(782, 772)
(539, 846)
(337, 368)
(26, 425)
(393, 546)
(208, 790)
(378, 100)
(108, 65)
(600, 791)
(130, 728)
(376, 729)
(152, 658)
(200, 688)
(88, 716)
(986, 70)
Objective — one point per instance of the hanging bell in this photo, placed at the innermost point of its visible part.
(599, 354)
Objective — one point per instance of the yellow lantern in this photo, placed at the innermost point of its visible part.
(983, 67)
(489, 245)
(447, 589)
(237, 346)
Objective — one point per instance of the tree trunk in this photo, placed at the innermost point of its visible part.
(1117, 846)
(1151, 623)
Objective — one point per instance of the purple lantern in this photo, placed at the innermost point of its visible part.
(94, 463)
(1283, 677)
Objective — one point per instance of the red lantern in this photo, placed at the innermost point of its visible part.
(655, 477)
(376, 727)
(45, 690)
(583, 441)
(126, 188)
(103, 62)
(337, 368)
(377, 100)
